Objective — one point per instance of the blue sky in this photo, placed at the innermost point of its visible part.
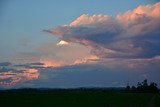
(22, 23)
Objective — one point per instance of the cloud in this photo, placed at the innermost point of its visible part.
(133, 34)
(34, 65)
(51, 62)
(13, 75)
(55, 55)
(17, 77)
(5, 64)
(67, 55)
(7, 69)
(87, 59)
(52, 55)
(60, 43)
(145, 64)
(90, 75)
(26, 57)
(92, 49)
(83, 72)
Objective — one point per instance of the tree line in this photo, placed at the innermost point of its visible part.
(143, 87)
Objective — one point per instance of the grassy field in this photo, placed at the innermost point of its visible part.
(78, 98)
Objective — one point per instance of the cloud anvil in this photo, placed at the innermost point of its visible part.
(133, 34)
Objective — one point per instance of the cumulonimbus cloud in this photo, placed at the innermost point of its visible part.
(133, 34)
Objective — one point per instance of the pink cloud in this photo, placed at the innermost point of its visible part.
(14, 78)
(133, 34)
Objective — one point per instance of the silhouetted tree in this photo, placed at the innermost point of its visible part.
(139, 87)
(127, 88)
(143, 87)
(133, 88)
(153, 87)
(145, 83)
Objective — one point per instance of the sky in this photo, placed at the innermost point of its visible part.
(79, 43)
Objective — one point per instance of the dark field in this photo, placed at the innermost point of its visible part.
(77, 98)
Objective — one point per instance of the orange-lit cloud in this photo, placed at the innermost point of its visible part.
(59, 63)
(141, 13)
(51, 63)
(55, 56)
(88, 59)
(132, 34)
(10, 78)
(86, 19)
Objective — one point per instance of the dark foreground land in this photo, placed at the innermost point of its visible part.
(77, 98)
